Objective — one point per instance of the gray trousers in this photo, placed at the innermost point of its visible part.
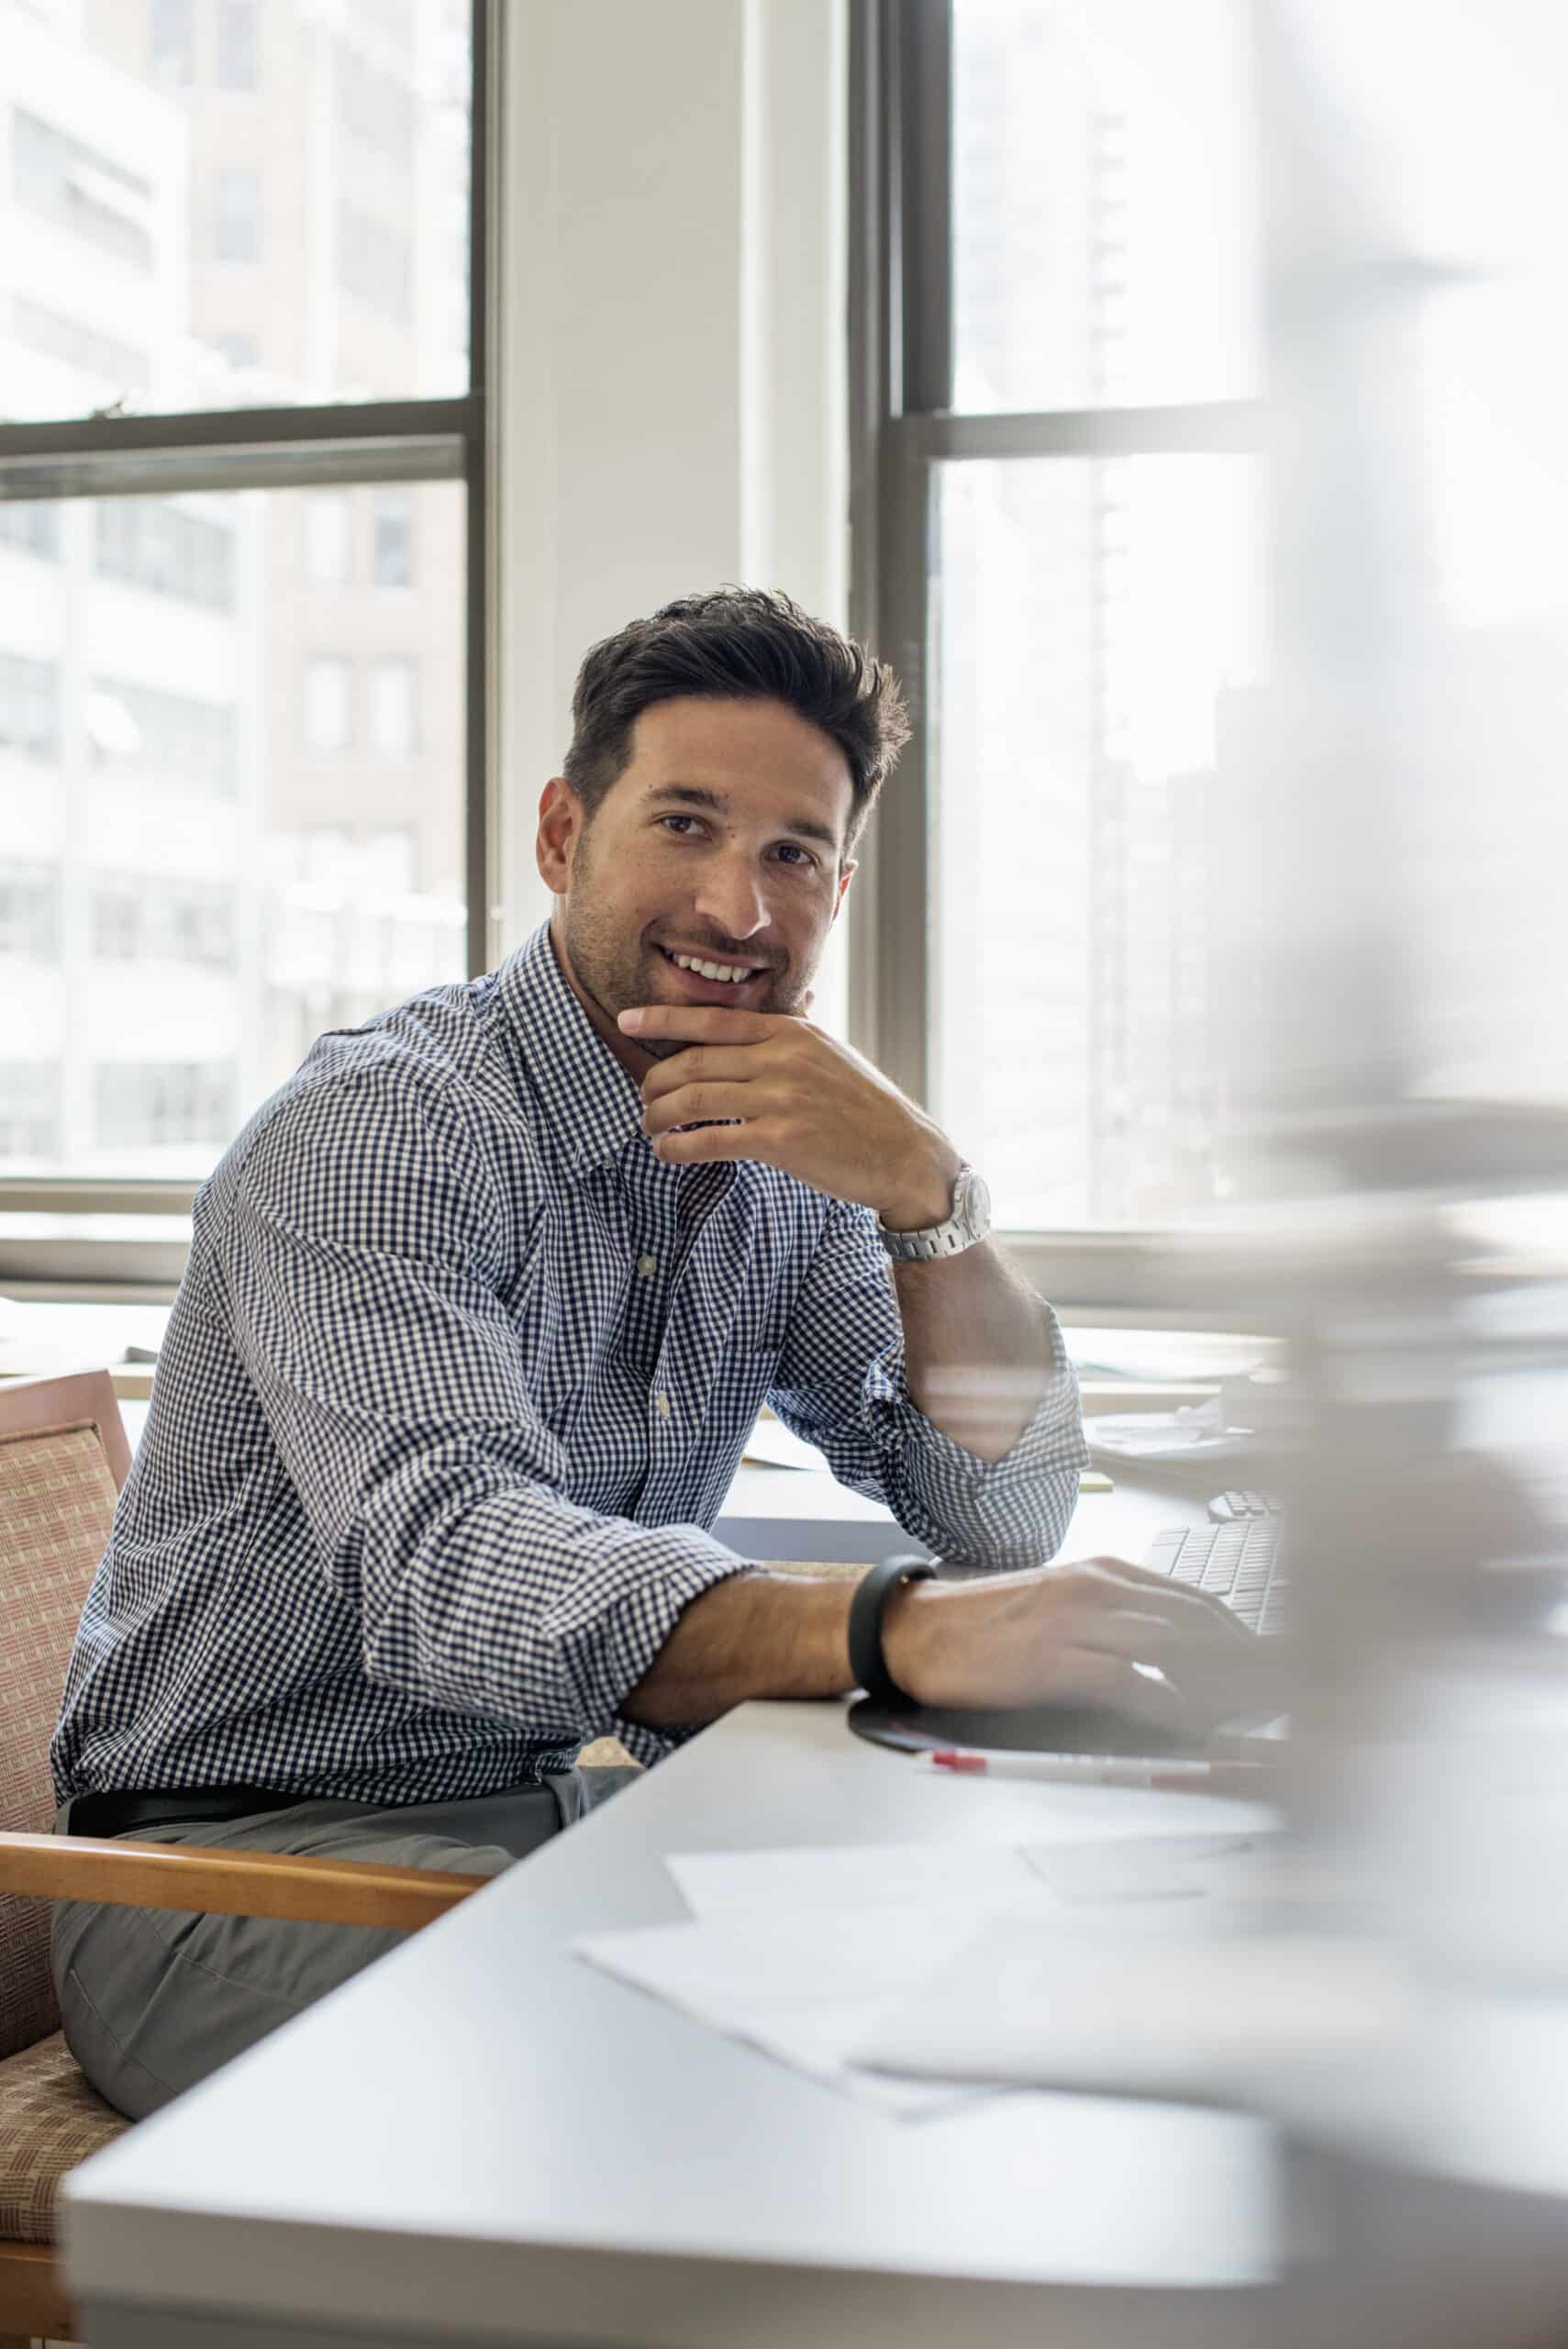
(153, 1999)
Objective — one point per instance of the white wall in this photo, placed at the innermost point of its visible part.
(673, 298)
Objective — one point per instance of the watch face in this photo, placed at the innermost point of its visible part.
(972, 1202)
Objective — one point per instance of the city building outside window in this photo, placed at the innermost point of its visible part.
(329, 703)
(29, 706)
(79, 187)
(375, 261)
(32, 527)
(137, 730)
(392, 555)
(394, 720)
(147, 1105)
(236, 44)
(328, 522)
(167, 547)
(29, 1110)
(1068, 373)
(170, 944)
(172, 44)
(236, 208)
(29, 912)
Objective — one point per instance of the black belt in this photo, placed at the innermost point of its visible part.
(118, 1814)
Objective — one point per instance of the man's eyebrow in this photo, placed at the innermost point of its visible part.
(693, 794)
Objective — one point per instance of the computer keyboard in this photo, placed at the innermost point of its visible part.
(1238, 1563)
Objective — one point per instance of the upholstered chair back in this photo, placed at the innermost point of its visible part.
(63, 1457)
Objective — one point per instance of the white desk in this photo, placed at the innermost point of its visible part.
(483, 2139)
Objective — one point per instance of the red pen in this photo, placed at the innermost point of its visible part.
(1107, 1770)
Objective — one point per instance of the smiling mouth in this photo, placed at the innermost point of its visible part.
(711, 972)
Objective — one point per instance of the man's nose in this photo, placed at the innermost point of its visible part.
(730, 895)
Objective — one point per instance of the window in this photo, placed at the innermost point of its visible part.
(141, 1105)
(167, 549)
(1079, 582)
(391, 557)
(76, 344)
(236, 60)
(329, 519)
(375, 108)
(236, 220)
(141, 918)
(29, 912)
(183, 616)
(30, 1110)
(328, 694)
(375, 262)
(172, 44)
(82, 189)
(29, 706)
(31, 527)
(240, 351)
(137, 730)
(392, 710)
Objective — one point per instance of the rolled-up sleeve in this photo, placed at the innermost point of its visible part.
(360, 1269)
(840, 1384)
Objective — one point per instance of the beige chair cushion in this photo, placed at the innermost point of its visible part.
(57, 1499)
(49, 2121)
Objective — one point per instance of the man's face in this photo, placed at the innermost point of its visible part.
(721, 842)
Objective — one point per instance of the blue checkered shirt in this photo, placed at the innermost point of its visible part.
(457, 1380)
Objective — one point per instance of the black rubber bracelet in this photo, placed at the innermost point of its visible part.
(871, 1595)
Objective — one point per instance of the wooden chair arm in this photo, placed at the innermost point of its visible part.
(228, 1884)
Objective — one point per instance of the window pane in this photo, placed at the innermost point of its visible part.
(1105, 208)
(1091, 619)
(328, 517)
(235, 216)
(394, 551)
(329, 703)
(148, 150)
(393, 723)
(188, 894)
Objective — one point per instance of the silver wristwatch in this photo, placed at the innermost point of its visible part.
(969, 1219)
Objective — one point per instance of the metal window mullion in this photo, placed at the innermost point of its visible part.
(902, 995)
(1217, 428)
(482, 562)
(922, 94)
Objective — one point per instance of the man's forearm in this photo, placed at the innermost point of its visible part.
(757, 1635)
(977, 1351)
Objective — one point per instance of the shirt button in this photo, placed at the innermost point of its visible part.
(648, 1266)
(663, 1403)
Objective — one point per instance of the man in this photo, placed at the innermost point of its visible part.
(480, 1310)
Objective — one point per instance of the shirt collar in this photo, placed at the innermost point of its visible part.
(591, 1103)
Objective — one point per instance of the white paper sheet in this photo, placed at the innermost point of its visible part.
(802, 1987)
(972, 1878)
(1157, 1867)
(1033, 2001)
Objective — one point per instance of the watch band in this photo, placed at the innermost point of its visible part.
(871, 1595)
(968, 1220)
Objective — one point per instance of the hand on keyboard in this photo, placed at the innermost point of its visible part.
(1098, 1631)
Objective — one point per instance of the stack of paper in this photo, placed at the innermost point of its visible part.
(843, 1962)
(1204, 2017)
(800, 1952)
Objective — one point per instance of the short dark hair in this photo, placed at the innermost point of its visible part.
(736, 643)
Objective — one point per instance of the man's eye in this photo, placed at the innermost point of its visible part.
(793, 853)
(678, 820)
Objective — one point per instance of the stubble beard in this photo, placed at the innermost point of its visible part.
(621, 974)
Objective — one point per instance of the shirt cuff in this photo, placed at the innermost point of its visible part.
(606, 1644)
(989, 1514)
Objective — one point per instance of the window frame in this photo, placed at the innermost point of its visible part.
(124, 1240)
(903, 427)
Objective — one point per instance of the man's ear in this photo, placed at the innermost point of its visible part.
(560, 822)
(847, 872)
